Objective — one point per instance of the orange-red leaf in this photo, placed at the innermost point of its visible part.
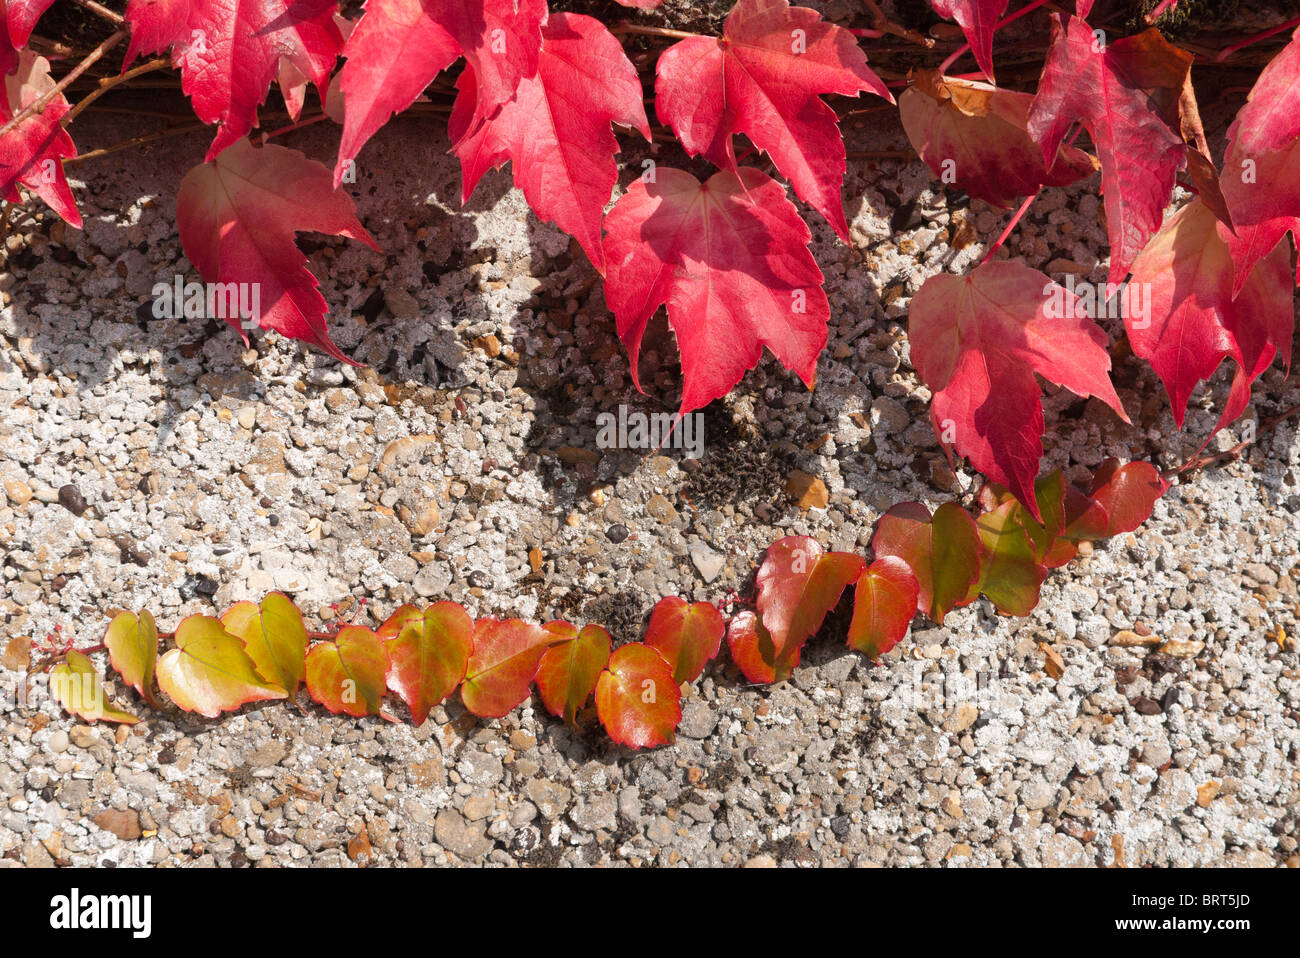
(569, 671)
(686, 635)
(506, 656)
(348, 675)
(943, 552)
(884, 602)
(636, 698)
(752, 648)
(429, 656)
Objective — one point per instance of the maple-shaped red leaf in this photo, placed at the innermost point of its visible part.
(764, 77)
(569, 671)
(942, 551)
(1259, 181)
(1123, 93)
(1270, 117)
(1193, 321)
(429, 656)
(229, 52)
(501, 669)
(977, 341)
(974, 135)
(19, 19)
(752, 648)
(155, 26)
(399, 46)
(237, 217)
(348, 675)
(636, 698)
(978, 19)
(556, 128)
(884, 601)
(32, 153)
(798, 584)
(731, 260)
(687, 635)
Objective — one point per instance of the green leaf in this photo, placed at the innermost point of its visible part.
(568, 672)
(1010, 573)
(943, 553)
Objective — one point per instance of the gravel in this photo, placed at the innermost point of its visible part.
(159, 464)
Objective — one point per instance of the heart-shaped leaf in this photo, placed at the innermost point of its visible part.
(569, 671)
(884, 602)
(349, 674)
(686, 635)
(943, 552)
(636, 698)
(274, 638)
(75, 684)
(132, 643)
(209, 671)
(429, 656)
(506, 656)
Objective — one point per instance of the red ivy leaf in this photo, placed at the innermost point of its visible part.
(943, 553)
(798, 584)
(1123, 93)
(229, 52)
(348, 675)
(237, 216)
(763, 77)
(1270, 117)
(977, 341)
(505, 659)
(1127, 493)
(556, 127)
(1259, 181)
(978, 19)
(569, 671)
(974, 134)
(752, 648)
(686, 635)
(884, 602)
(399, 46)
(19, 19)
(730, 258)
(155, 26)
(32, 153)
(636, 698)
(429, 657)
(1194, 322)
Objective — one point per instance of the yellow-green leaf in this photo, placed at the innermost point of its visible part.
(75, 684)
(274, 638)
(209, 671)
(132, 643)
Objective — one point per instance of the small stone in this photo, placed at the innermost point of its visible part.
(961, 718)
(1207, 793)
(761, 861)
(489, 344)
(661, 509)
(551, 798)
(248, 417)
(478, 807)
(479, 580)
(536, 559)
(1146, 706)
(574, 455)
(83, 736)
(124, 824)
(807, 491)
(70, 498)
(707, 562)
(617, 533)
(1180, 649)
(459, 836)
(423, 522)
(1132, 639)
(19, 492)
(359, 849)
(522, 741)
(58, 742)
(17, 654)
(952, 805)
